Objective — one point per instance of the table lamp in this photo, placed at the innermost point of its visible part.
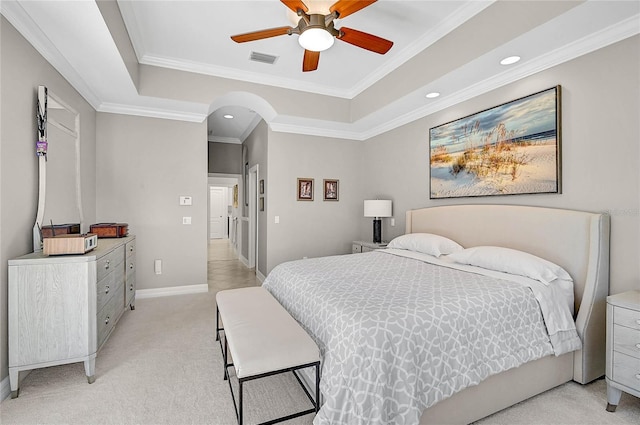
(377, 209)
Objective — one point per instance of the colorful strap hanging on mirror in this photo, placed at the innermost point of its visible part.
(41, 117)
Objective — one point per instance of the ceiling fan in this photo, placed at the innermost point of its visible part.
(317, 32)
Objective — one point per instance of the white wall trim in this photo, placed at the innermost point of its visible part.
(115, 108)
(260, 276)
(171, 291)
(243, 260)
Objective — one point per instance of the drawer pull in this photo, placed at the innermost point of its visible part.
(131, 249)
(638, 346)
(131, 287)
(637, 321)
(106, 265)
(106, 289)
(638, 376)
(106, 322)
(131, 266)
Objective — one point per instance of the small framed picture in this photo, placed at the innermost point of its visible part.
(262, 187)
(305, 189)
(261, 203)
(330, 189)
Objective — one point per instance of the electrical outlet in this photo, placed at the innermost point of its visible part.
(186, 220)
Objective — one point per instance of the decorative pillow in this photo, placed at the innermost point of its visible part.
(426, 243)
(511, 261)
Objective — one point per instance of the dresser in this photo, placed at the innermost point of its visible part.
(362, 246)
(623, 347)
(62, 309)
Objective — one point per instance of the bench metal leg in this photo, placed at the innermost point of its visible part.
(315, 402)
(218, 328)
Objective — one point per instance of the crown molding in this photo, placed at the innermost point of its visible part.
(219, 139)
(245, 76)
(22, 21)
(116, 108)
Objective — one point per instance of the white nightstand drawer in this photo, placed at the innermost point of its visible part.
(626, 370)
(627, 341)
(626, 317)
(356, 248)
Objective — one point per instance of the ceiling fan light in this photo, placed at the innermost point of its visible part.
(316, 39)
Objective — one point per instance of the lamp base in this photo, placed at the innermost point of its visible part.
(377, 230)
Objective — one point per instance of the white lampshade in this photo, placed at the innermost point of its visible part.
(377, 208)
(316, 39)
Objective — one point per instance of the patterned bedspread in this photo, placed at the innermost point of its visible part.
(398, 335)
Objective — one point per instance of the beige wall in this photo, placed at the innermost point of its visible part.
(225, 158)
(600, 150)
(23, 69)
(257, 146)
(144, 166)
(312, 228)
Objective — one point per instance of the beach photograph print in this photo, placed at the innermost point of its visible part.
(513, 148)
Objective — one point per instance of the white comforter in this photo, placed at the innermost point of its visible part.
(398, 335)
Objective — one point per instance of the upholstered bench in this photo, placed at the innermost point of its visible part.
(263, 340)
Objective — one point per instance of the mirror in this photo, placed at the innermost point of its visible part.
(58, 150)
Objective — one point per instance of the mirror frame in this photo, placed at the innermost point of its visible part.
(45, 101)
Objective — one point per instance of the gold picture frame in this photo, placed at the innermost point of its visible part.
(305, 189)
(330, 189)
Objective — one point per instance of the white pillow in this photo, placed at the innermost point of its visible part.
(426, 243)
(511, 261)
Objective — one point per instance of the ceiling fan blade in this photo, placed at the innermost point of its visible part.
(295, 5)
(364, 40)
(259, 35)
(310, 61)
(347, 7)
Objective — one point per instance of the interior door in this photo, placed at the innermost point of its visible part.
(217, 213)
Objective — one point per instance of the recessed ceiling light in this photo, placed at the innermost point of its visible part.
(510, 60)
(432, 95)
(228, 116)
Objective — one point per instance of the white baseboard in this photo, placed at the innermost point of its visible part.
(5, 389)
(243, 260)
(261, 277)
(172, 290)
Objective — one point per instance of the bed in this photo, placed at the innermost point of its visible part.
(445, 389)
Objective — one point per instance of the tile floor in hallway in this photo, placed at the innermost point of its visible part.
(224, 270)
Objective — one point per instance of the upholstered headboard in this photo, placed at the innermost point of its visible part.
(576, 240)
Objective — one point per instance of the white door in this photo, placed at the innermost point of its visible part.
(217, 213)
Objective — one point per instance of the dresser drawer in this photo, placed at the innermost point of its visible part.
(627, 341)
(108, 316)
(626, 370)
(130, 290)
(109, 262)
(107, 286)
(626, 317)
(130, 248)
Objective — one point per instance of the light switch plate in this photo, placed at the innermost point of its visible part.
(186, 220)
(185, 200)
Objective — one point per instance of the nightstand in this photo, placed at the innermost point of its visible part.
(623, 346)
(362, 246)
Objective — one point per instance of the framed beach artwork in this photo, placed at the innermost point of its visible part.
(305, 189)
(330, 189)
(510, 149)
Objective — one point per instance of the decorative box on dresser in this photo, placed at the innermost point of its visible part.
(623, 346)
(63, 308)
(358, 247)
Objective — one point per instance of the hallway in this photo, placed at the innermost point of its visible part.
(224, 270)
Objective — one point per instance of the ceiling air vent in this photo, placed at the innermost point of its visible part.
(263, 57)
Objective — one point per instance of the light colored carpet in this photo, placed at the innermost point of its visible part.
(162, 365)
